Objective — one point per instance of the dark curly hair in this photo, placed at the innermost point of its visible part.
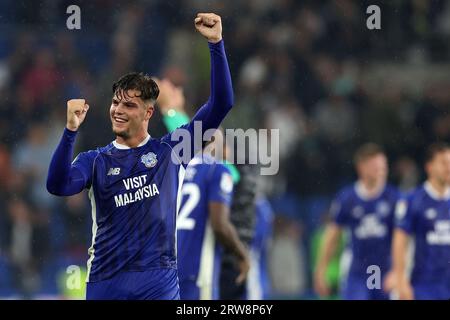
(148, 88)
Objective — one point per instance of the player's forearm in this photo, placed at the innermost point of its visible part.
(221, 97)
(399, 249)
(221, 86)
(328, 249)
(62, 180)
(229, 239)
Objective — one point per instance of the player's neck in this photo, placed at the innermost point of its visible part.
(132, 142)
(440, 189)
(370, 190)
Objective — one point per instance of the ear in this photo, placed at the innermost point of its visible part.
(358, 168)
(428, 168)
(149, 111)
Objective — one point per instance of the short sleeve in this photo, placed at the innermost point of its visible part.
(220, 186)
(337, 210)
(404, 215)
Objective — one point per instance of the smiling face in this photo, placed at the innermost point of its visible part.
(130, 114)
(134, 96)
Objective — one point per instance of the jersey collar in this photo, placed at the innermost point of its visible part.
(434, 194)
(362, 193)
(124, 147)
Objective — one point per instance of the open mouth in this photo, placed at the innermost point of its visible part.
(120, 120)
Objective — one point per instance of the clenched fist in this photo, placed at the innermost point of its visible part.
(76, 112)
(210, 26)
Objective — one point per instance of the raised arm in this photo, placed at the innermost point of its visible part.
(65, 178)
(220, 100)
(221, 97)
(188, 140)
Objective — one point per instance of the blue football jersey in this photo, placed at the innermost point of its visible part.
(133, 194)
(370, 223)
(426, 217)
(198, 253)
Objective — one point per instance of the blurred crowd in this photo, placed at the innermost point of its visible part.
(309, 68)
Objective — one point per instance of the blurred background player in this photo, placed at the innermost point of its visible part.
(366, 210)
(258, 280)
(203, 217)
(134, 182)
(424, 217)
(243, 218)
(333, 270)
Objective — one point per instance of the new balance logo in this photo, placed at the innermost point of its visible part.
(114, 171)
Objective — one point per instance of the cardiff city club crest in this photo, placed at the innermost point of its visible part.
(149, 160)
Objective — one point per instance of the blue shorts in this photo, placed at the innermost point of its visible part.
(157, 284)
(355, 288)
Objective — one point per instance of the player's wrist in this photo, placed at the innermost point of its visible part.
(70, 134)
(402, 279)
(215, 40)
(71, 128)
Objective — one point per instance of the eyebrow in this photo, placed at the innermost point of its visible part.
(130, 103)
